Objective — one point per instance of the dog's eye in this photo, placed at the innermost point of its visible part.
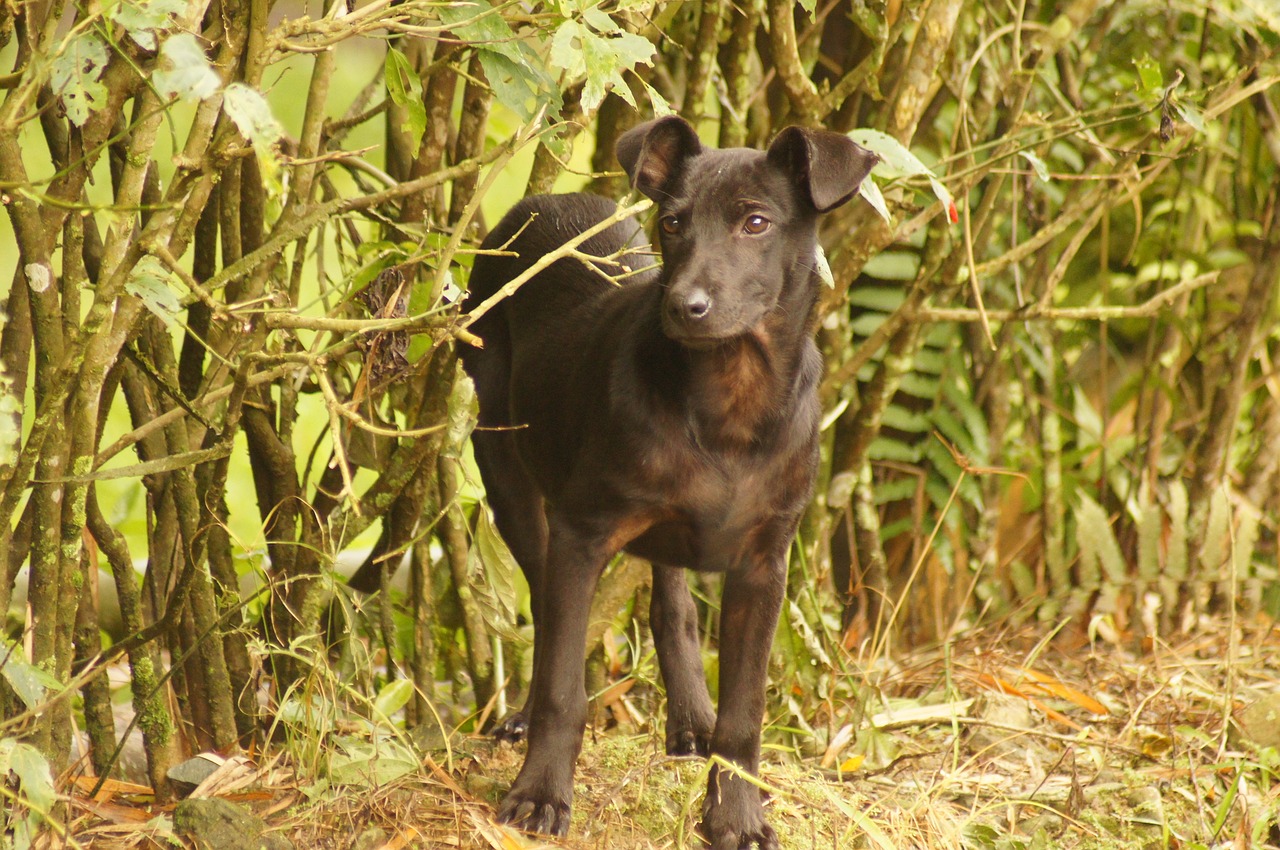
(670, 225)
(755, 224)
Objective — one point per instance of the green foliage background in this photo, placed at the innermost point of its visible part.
(236, 236)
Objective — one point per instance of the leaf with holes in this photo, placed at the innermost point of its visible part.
(75, 75)
(185, 71)
(141, 18)
(566, 48)
(252, 115)
(577, 50)
(492, 570)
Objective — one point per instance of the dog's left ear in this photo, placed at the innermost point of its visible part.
(654, 153)
(830, 165)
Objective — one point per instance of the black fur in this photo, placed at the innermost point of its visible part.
(674, 416)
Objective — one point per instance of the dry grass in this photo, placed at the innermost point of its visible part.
(1010, 745)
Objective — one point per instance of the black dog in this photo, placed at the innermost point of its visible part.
(674, 416)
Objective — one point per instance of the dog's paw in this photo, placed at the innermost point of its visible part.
(536, 812)
(765, 839)
(689, 726)
(513, 729)
(733, 816)
(687, 742)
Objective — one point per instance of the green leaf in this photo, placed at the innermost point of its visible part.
(1037, 164)
(75, 74)
(492, 570)
(896, 161)
(658, 102)
(185, 71)
(477, 22)
(370, 763)
(252, 115)
(515, 71)
(405, 89)
(1191, 115)
(392, 698)
(882, 299)
(1150, 79)
(30, 683)
(894, 265)
(464, 409)
(33, 773)
(513, 85)
(1097, 541)
(1214, 550)
(600, 21)
(576, 50)
(871, 193)
(800, 627)
(151, 282)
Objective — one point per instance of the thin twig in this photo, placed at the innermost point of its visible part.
(1037, 312)
(568, 249)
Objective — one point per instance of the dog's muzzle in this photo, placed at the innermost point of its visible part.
(687, 313)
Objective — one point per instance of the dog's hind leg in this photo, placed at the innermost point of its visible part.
(518, 513)
(516, 502)
(540, 797)
(674, 620)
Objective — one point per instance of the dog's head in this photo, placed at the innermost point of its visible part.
(738, 227)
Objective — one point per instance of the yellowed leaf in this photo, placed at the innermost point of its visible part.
(852, 763)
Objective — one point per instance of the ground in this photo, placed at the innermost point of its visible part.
(1168, 746)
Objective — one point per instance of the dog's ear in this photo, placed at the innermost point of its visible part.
(830, 165)
(653, 153)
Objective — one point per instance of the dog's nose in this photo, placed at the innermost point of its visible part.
(693, 306)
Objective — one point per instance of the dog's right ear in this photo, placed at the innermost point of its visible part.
(830, 165)
(654, 153)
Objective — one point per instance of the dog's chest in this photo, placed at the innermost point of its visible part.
(719, 511)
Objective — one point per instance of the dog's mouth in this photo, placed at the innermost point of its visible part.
(698, 337)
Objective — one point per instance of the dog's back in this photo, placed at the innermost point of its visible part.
(533, 228)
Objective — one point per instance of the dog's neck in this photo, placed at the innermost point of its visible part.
(742, 390)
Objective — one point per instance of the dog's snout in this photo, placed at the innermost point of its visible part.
(690, 306)
(697, 304)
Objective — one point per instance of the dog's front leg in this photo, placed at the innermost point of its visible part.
(733, 814)
(541, 796)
